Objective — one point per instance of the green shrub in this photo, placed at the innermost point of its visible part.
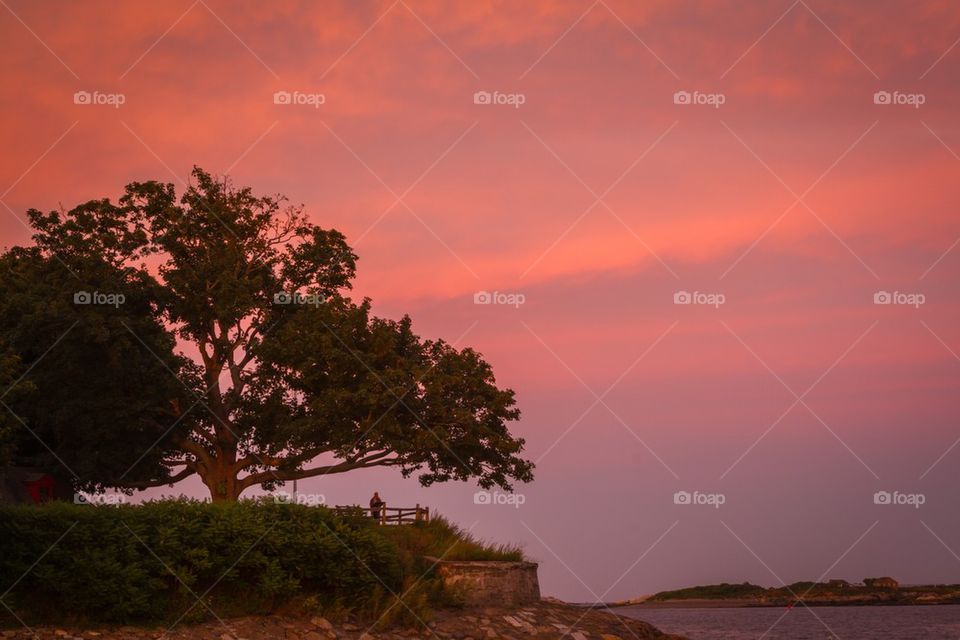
(440, 538)
(152, 561)
(411, 606)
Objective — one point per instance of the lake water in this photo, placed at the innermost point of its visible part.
(844, 623)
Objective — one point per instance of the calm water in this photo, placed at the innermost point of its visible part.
(845, 623)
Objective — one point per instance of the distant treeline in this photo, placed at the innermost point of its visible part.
(882, 590)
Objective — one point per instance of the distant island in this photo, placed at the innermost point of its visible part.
(871, 591)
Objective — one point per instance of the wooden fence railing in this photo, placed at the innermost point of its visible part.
(388, 515)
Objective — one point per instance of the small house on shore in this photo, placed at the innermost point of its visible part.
(881, 583)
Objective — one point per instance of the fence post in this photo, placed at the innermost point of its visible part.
(383, 513)
(416, 514)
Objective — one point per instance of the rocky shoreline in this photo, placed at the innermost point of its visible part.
(885, 599)
(740, 603)
(547, 619)
(834, 593)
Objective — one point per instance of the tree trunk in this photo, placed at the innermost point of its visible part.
(223, 484)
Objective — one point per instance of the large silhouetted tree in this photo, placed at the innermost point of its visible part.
(211, 335)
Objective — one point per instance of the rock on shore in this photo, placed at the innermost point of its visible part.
(544, 620)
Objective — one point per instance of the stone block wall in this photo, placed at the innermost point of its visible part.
(491, 583)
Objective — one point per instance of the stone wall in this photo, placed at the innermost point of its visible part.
(491, 583)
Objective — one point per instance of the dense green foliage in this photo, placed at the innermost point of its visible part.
(10, 371)
(151, 561)
(146, 562)
(105, 405)
(713, 592)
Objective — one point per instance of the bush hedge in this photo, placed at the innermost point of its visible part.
(152, 561)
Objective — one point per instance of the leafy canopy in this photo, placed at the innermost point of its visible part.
(235, 353)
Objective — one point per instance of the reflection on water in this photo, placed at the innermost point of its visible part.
(817, 623)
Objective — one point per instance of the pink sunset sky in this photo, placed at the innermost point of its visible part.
(798, 199)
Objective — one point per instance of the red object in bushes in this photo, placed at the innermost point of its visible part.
(40, 489)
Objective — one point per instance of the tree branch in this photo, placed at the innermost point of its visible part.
(147, 484)
(376, 460)
(195, 449)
